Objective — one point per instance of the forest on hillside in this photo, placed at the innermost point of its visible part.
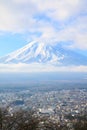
(28, 120)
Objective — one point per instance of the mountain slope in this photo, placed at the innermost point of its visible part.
(36, 52)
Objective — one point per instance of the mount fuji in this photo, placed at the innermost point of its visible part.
(40, 52)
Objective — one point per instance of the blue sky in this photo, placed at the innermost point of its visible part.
(9, 43)
(22, 21)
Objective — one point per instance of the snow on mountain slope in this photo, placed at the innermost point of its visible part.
(36, 52)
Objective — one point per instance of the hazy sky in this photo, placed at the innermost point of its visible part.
(22, 21)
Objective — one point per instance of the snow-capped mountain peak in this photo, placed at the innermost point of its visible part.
(40, 52)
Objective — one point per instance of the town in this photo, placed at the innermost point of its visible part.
(54, 104)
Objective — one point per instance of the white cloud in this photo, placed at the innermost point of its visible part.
(64, 9)
(15, 17)
(40, 68)
(62, 20)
